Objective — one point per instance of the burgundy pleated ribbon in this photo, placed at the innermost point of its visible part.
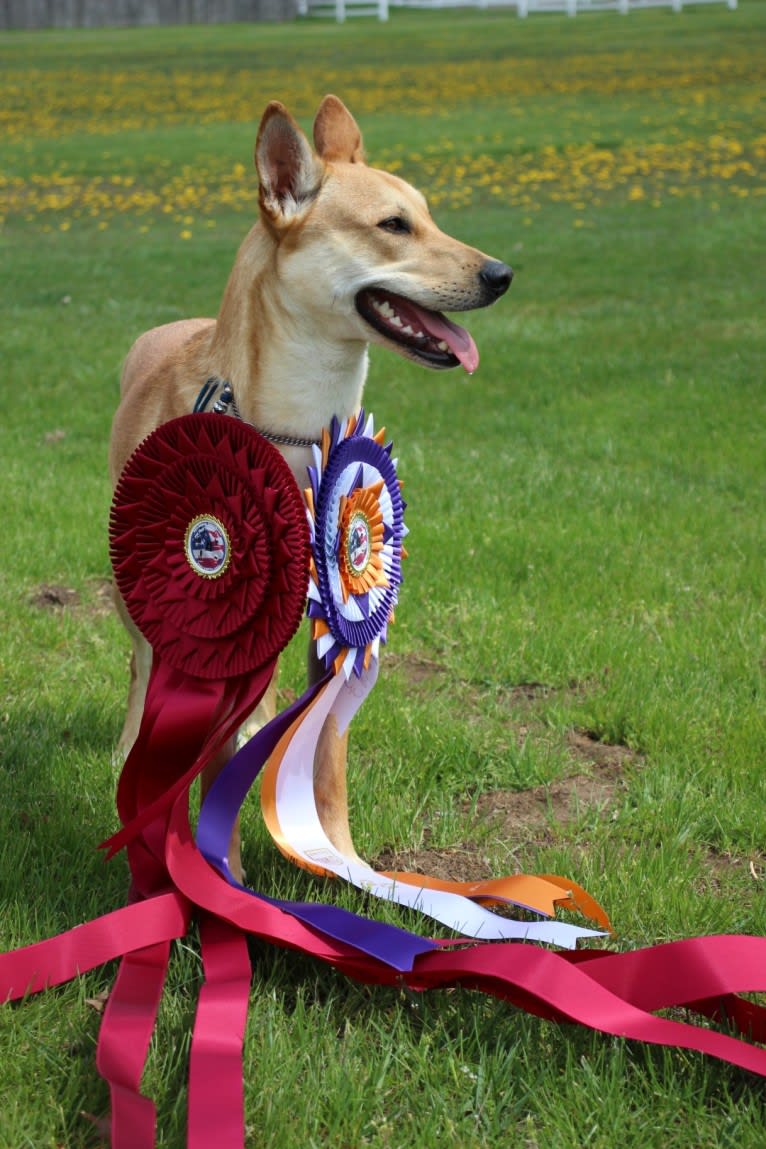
(210, 551)
(210, 554)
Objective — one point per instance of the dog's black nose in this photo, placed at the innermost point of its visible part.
(496, 276)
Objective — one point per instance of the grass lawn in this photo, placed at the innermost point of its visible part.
(575, 680)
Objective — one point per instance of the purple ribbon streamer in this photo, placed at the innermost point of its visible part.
(396, 947)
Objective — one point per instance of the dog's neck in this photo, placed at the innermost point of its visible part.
(291, 369)
(218, 396)
(303, 385)
(291, 408)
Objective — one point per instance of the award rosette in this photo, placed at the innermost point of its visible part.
(356, 519)
(210, 554)
(209, 550)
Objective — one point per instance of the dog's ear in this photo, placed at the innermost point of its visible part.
(288, 171)
(336, 133)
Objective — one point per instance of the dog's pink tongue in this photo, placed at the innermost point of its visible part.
(459, 341)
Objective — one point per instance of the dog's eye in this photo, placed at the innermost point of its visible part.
(396, 225)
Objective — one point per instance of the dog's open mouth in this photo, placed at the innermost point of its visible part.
(422, 334)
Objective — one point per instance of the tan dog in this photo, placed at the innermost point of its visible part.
(342, 255)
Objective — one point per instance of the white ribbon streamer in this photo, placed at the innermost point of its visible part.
(300, 825)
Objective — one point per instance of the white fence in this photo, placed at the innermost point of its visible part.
(340, 9)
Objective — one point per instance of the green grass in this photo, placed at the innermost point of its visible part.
(585, 513)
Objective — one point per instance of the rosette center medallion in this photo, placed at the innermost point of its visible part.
(207, 546)
(361, 541)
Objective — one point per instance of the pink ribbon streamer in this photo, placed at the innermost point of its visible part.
(216, 1086)
(57, 960)
(123, 1044)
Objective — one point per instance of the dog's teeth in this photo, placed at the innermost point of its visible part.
(442, 346)
(386, 311)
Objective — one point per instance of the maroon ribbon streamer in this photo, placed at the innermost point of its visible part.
(204, 715)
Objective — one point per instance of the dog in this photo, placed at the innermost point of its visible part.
(342, 255)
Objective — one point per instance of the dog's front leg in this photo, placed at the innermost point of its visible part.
(330, 792)
(140, 669)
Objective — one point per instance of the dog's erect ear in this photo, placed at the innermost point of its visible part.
(336, 133)
(289, 172)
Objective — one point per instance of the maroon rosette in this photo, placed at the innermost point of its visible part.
(210, 546)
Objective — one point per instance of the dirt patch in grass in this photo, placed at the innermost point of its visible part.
(610, 759)
(525, 813)
(55, 597)
(416, 668)
(422, 672)
(454, 864)
(528, 818)
(51, 597)
(595, 781)
(752, 864)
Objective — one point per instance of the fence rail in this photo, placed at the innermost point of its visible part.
(340, 9)
(100, 13)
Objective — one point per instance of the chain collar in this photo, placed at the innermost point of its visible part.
(226, 404)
